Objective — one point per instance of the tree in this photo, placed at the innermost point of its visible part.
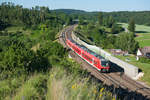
(69, 21)
(127, 42)
(100, 18)
(113, 29)
(131, 26)
(116, 29)
(111, 21)
(81, 20)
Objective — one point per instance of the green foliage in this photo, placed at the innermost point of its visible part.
(81, 20)
(131, 26)
(144, 60)
(100, 37)
(100, 18)
(140, 17)
(52, 48)
(18, 60)
(116, 29)
(10, 86)
(69, 21)
(17, 15)
(127, 42)
(3, 25)
(33, 89)
(109, 21)
(62, 85)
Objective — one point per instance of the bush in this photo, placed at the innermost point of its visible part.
(144, 60)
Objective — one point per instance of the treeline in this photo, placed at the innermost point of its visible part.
(11, 14)
(140, 17)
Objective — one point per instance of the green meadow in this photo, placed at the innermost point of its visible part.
(143, 34)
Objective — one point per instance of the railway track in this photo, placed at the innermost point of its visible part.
(139, 92)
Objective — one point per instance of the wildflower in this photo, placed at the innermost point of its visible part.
(51, 76)
(95, 91)
(101, 90)
(74, 86)
(100, 96)
(113, 99)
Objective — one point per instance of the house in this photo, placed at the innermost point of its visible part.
(143, 52)
(118, 52)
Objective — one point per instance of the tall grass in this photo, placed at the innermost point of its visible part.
(33, 89)
(64, 86)
(8, 87)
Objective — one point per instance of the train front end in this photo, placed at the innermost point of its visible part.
(105, 65)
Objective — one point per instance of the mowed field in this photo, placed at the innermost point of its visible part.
(14, 29)
(143, 34)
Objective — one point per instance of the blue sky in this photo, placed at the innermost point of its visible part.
(88, 5)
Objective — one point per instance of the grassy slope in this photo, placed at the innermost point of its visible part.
(139, 28)
(143, 39)
(14, 29)
(69, 87)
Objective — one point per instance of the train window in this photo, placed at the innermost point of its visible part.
(87, 57)
(95, 62)
(104, 63)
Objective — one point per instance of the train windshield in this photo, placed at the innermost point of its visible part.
(104, 63)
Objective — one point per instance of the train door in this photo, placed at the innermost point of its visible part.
(97, 63)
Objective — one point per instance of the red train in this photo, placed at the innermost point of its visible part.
(97, 61)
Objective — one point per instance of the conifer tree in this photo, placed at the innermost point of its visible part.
(100, 18)
(131, 26)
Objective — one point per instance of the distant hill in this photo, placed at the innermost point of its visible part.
(140, 17)
(71, 11)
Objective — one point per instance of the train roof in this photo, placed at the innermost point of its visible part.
(87, 50)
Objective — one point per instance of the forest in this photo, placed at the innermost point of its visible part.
(140, 17)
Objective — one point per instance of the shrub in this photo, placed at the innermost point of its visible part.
(144, 60)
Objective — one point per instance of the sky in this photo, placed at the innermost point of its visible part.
(87, 5)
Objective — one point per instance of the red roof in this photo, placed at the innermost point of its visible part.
(145, 50)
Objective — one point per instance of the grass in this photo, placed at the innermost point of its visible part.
(14, 29)
(62, 86)
(143, 39)
(143, 34)
(10, 86)
(33, 89)
(139, 28)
